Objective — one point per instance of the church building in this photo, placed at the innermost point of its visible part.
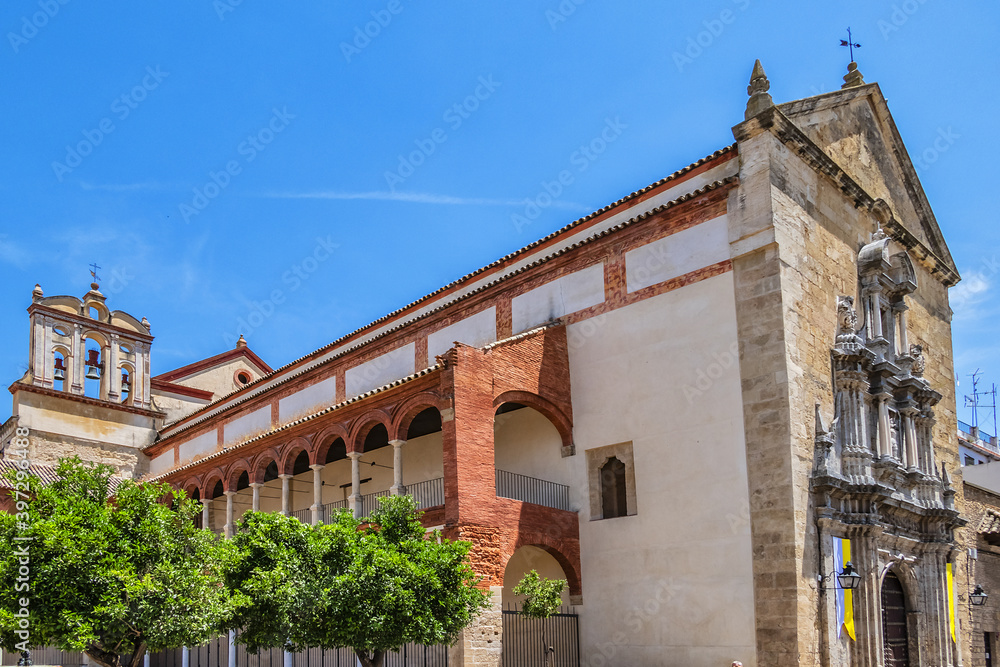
(721, 407)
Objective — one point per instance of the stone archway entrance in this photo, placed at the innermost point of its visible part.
(895, 637)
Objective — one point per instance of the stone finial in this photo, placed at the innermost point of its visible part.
(145, 323)
(853, 78)
(241, 343)
(760, 99)
(37, 294)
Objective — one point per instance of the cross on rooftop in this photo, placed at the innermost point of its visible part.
(850, 43)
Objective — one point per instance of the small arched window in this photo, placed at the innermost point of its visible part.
(614, 500)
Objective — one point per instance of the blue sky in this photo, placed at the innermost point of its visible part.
(270, 168)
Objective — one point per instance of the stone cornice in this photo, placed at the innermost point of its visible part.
(86, 400)
(88, 322)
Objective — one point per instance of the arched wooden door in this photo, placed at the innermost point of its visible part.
(895, 638)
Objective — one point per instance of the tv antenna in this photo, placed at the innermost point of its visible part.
(976, 398)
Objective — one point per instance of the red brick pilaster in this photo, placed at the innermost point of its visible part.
(469, 478)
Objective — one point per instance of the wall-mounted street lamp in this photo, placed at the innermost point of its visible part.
(848, 579)
(977, 598)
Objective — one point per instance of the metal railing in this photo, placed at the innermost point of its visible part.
(427, 494)
(532, 490)
(216, 653)
(303, 515)
(525, 639)
(327, 511)
(981, 438)
(369, 502)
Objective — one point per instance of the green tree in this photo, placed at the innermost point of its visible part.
(371, 586)
(111, 576)
(542, 599)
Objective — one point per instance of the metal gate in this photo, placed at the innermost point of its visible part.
(525, 639)
(216, 654)
(895, 638)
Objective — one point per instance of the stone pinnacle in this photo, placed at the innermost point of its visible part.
(760, 99)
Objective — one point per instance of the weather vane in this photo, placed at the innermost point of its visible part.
(849, 43)
(93, 271)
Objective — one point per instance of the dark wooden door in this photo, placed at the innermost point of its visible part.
(895, 639)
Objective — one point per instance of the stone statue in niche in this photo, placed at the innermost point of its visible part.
(894, 439)
(919, 362)
(847, 320)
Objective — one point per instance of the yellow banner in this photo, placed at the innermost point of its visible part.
(848, 597)
(951, 602)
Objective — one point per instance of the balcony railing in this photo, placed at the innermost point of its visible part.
(978, 437)
(427, 494)
(532, 490)
(303, 515)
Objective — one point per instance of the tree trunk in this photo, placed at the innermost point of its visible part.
(376, 659)
(102, 657)
(137, 655)
(111, 659)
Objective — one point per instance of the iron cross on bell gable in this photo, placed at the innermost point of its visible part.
(850, 43)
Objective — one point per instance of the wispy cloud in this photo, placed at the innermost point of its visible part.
(414, 198)
(967, 297)
(124, 187)
(12, 253)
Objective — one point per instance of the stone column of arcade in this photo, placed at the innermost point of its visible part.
(354, 502)
(397, 467)
(317, 504)
(286, 506)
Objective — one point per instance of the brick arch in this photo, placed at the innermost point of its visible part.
(361, 426)
(233, 472)
(211, 477)
(404, 413)
(554, 548)
(290, 451)
(259, 464)
(191, 485)
(323, 440)
(559, 419)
